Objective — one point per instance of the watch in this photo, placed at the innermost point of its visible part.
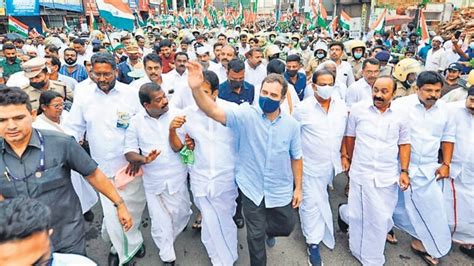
(405, 171)
(120, 202)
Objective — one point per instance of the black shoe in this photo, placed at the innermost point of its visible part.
(141, 252)
(113, 259)
(240, 222)
(342, 225)
(168, 263)
(89, 216)
(467, 251)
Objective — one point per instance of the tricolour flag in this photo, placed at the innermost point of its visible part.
(333, 26)
(379, 25)
(322, 16)
(14, 25)
(425, 37)
(92, 23)
(345, 20)
(66, 26)
(116, 13)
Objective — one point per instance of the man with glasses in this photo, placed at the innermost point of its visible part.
(104, 110)
(362, 89)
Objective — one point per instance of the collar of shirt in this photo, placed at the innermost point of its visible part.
(376, 110)
(318, 105)
(419, 104)
(264, 117)
(300, 80)
(115, 89)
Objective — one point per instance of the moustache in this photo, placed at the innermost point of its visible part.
(378, 99)
(432, 99)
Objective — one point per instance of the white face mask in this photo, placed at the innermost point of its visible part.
(325, 92)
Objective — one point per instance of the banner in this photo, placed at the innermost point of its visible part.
(71, 5)
(23, 7)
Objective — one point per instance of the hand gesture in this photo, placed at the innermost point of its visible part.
(195, 77)
(297, 198)
(152, 156)
(189, 142)
(404, 181)
(124, 217)
(178, 122)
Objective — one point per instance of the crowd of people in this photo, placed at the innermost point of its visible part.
(250, 125)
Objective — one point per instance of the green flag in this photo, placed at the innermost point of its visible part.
(206, 22)
(321, 22)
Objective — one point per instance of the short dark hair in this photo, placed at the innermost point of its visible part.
(79, 41)
(165, 43)
(21, 217)
(394, 82)
(14, 96)
(52, 48)
(236, 65)
(293, 58)
(340, 44)
(69, 49)
(255, 50)
(181, 53)
(276, 66)
(145, 91)
(153, 58)
(371, 61)
(126, 37)
(216, 45)
(56, 62)
(104, 58)
(428, 77)
(96, 48)
(322, 72)
(46, 97)
(20, 40)
(211, 78)
(221, 34)
(8, 46)
(272, 78)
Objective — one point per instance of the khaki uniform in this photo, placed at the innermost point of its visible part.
(356, 67)
(403, 91)
(54, 85)
(312, 65)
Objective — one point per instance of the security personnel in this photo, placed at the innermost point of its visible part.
(36, 71)
(357, 58)
(405, 73)
(320, 56)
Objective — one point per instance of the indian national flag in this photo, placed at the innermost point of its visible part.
(345, 20)
(425, 37)
(92, 23)
(379, 25)
(322, 16)
(14, 25)
(116, 13)
(66, 26)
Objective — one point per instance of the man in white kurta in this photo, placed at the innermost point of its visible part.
(104, 110)
(376, 135)
(361, 90)
(458, 190)
(164, 178)
(420, 210)
(212, 177)
(323, 122)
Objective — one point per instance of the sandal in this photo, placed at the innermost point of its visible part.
(467, 251)
(197, 224)
(391, 238)
(425, 256)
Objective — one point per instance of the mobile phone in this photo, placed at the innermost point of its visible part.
(457, 34)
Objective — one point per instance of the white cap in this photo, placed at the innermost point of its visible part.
(438, 38)
(202, 50)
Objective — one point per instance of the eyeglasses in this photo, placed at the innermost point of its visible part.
(102, 75)
(57, 105)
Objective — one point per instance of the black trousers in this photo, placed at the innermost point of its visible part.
(262, 222)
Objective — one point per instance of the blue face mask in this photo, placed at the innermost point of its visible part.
(268, 105)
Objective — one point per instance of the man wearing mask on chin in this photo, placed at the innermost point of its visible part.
(269, 172)
(36, 71)
(294, 77)
(235, 89)
(323, 121)
(71, 68)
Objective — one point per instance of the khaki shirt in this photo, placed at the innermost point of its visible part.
(312, 65)
(54, 85)
(356, 67)
(403, 91)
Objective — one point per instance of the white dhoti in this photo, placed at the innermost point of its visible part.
(421, 213)
(87, 195)
(219, 232)
(126, 244)
(459, 200)
(315, 211)
(169, 215)
(369, 215)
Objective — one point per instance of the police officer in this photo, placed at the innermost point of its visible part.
(405, 73)
(357, 58)
(36, 71)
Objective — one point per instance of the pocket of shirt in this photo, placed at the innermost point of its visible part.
(51, 179)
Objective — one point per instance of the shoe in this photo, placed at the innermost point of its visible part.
(271, 241)
(113, 259)
(89, 216)
(239, 222)
(343, 226)
(168, 263)
(314, 256)
(467, 251)
(141, 252)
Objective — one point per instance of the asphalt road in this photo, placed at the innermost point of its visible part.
(287, 251)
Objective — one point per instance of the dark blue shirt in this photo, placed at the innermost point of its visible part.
(470, 53)
(299, 85)
(247, 93)
(423, 53)
(124, 69)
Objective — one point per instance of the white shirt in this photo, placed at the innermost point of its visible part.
(455, 95)
(146, 133)
(84, 84)
(19, 80)
(60, 259)
(255, 76)
(436, 61)
(321, 135)
(377, 136)
(70, 82)
(173, 81)
(428, 129)
(139, 82)
(358, 91)
(182, 98)
(220, 71)
(242, 50)
(462, 164)
(105, 118)
(345, 74)
(214, 153)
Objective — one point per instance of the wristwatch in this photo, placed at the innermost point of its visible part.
(405, 171)
(120, 202)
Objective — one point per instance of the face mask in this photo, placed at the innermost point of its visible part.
(38, 85)
(70, 62)
(272, 39)
(49, 70)
(325, 92)
(357, 56)
(268, 105)
(292, 73)
(471, 45)
(236, 84)
(320, 55)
